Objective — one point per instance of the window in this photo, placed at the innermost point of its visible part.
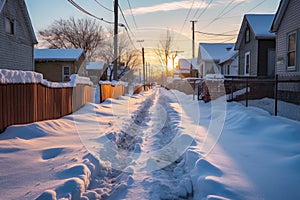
(228, 69)
(291, 55)
(9, 26)
(66, 73)
(247, 64)
(247, 35)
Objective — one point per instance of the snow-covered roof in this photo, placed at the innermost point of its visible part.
(261, 24)
(279, 15)
(186, 63)
(229, 55)
(214, 51)
(95, 65)
(2, 2)
(57, 54)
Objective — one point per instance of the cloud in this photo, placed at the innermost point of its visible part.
(164, 7)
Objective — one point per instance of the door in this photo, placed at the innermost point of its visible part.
(65, 73)
(271, 62)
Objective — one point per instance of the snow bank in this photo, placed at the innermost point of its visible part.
(18, 76)
(213, 76)
(113, 83)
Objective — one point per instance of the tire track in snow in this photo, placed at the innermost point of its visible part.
(148, 182)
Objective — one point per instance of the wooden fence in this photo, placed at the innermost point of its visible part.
(111, 91)
(31, 102)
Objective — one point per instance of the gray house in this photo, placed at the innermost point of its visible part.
(17, 37)
(286, 25)
(256, 46)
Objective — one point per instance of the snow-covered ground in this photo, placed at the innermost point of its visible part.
(157, 145)
(284, 109)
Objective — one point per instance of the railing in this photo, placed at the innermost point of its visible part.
(254, 88)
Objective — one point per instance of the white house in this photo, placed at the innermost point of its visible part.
(187, 68)
(95, 70)
(210, 55)
(230, 62)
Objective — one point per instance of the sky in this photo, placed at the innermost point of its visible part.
(146, 17)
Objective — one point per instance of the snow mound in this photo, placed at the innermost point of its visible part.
(18, 76)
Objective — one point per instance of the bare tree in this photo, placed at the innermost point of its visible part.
(163, 51)
(81, 33)
(127, 56)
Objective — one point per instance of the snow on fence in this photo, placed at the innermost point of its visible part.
(25, 97)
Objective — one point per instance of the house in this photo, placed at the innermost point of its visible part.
(286, 25)
(209, 56)
(17, 36)
(58, 64)
(95, 70)
(186, 68)
(256, 45)
(229, 63)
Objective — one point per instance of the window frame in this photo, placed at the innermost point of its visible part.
(10, 26)
(245, 64)
(291, 67)
(247, 35)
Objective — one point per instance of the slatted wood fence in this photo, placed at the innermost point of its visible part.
(32, 102)
(111, 91)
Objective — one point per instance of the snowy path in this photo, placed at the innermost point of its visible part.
(151, 179)
(152, 129)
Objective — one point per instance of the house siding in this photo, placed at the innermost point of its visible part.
(290, 22)
(52, 70)
(263, 48)
(251, 47)
(16, 51)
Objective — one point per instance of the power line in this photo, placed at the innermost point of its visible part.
(227, 6)
(222, 14)
(207, 6)
(100, 4)
(216, 34)
(198, 9)
(124, 18)
(88, 13)
(187, 16)
(257, 6)
(129, 4)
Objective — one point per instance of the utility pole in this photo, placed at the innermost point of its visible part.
(144, 77)
(193, 37)
(143, 60)
(116, 24)
(193, 45)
